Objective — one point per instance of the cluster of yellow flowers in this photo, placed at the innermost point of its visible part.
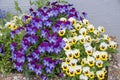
(81, 56)
(14, 23)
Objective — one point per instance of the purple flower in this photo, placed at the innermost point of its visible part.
(49, 48)
(43, 78)
(36, 54)
(48, 70)
(18, 66)
(12, 33)
(84, 14)
(52, 38)
(44, 32)
(48, 23)
(44, 17)
(55, 28)
(12, 46)
(34, 39)
(38, 69)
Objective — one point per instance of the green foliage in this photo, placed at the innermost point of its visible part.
(18, 9)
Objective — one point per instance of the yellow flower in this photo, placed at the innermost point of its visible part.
(97, 55)
(91, 75)
(73, 32)
(100, 75)
(74, 40)
(104, 70)
(78, 69)
(61, 32)
(104, 56)
(68, 72)
(86, 71)
(90, 28)
(112, 44)
(103, 46)
(89, 50)
(106, 37)
(83, 62)
(83, 31)
(77, 26)
(72, 20)
(14, 27)
(73, 62)
(82, 39)
(69, 54)
(99, 63)
(86, 22)
(64, 66)
(96, 32)
(67, 47)
(88, 38)
(67, 60)
(71, 71)
(76, 53)
(90, 61)
(101, 29)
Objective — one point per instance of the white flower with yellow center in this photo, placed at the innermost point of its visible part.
(84, 61)
(99, 63)
(15, 18)
(112, 44)
(101, 29)
(81, 39)
(88, 38)
(64, 66)
(78, 69)
(89, 50)
(90, 28)
(8, 24)
(73, 32)
(72, 20)
(62, 32)
(82, 77)
(104, 69)
(104, 56)
(90, 61)
(67, 60)
(71, 71)
(91, 75)
(86, 22)
(86, 71)
(73, 62)
(63, 19)
(76, 53)
(67, 47)
(69, 54)
(87, 44)
(100, 75)
(78, 26)
(83, 31)
(97, 55)
(106, 37)
(103, 46)
(75, 39)
(96, 32)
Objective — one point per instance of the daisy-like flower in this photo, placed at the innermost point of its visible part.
(103, 46)
(91, 75)
(61, 32)
(86, 22)
(84, 61)
(63, 19)
(71, 71)
(64, 66)
(82, 39)
(73, 62)
(69, 54)
(67, 47)
(106, 37)
(90, 28)
(78, 26)
(90, 61)
(86, 71)
(88, 38)
(101, 29)
(72, 20)
(100, 75)
(76, 53)
(97, 55)
(99, 63)
(96, 32)
(89, 50)
(78, 69)
(104, 56)
(83, 31)
(82, 77)
(112, 44)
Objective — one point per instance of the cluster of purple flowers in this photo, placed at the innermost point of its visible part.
(41, 33)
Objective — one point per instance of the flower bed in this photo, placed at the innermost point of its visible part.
(55, 42)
